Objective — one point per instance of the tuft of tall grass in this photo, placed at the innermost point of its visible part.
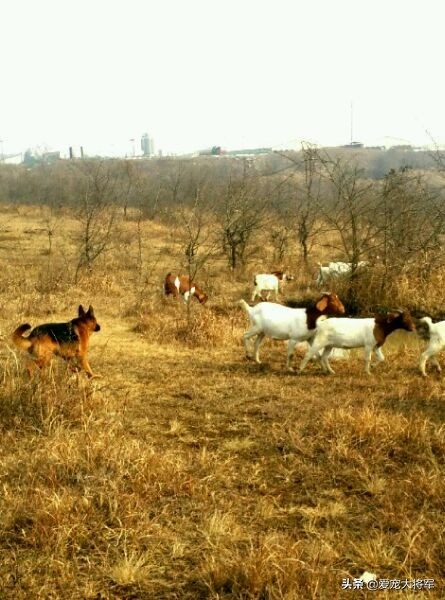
(46, 399)
(210, 325)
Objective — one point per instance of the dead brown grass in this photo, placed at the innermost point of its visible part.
(187, 472)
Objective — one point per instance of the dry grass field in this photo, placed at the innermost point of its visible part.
(187, 472)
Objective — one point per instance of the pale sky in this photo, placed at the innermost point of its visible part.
(234, 73)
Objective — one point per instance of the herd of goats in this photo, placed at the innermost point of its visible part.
(320, 325)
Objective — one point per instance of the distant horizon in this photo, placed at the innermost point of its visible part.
(195, 74)
(135, 149)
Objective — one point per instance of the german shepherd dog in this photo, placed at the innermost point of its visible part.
(67, 340)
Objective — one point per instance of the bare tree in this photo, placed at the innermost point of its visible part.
(195, 233)
(412, 222)
(348, 212)
(197, 238)
(96, 212)
(304, 189)
(308, 201)
(242, 212)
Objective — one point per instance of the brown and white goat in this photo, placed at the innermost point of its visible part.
(176, 285)
(284, 323)
(369, 334)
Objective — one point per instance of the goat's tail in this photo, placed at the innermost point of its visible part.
(246, 308)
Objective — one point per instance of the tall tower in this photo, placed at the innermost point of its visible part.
(147, 145)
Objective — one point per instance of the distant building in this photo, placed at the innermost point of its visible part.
(354, 145)
(50, 157)
(11, 159)
(403, 147)
(249, 151)
(147, 145)
(75, 152)
(213, 151)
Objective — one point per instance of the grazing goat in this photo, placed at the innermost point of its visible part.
(369, 334)
(269, 282)
(284, 323)
(435, 334)
(176, 285)
(336, 270)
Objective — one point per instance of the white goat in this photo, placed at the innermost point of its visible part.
(369, 334)
(284, 323)
(269, 282)
(336, 270)
(435, 334)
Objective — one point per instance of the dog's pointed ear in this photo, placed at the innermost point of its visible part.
(90, 311)
(81, 311)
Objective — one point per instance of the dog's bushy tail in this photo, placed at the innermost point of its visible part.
(18, 339)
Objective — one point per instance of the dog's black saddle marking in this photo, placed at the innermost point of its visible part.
(61, 333)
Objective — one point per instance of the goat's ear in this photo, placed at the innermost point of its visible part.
(322, 303)
(81, 311)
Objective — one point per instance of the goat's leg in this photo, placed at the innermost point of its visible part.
(368, 355)
(379, 354)
(246, 337)
(436, 363)
(313, 350)
(324, 359)
(256, 347)
(290, 353)
(422, 362)
(429, 353)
